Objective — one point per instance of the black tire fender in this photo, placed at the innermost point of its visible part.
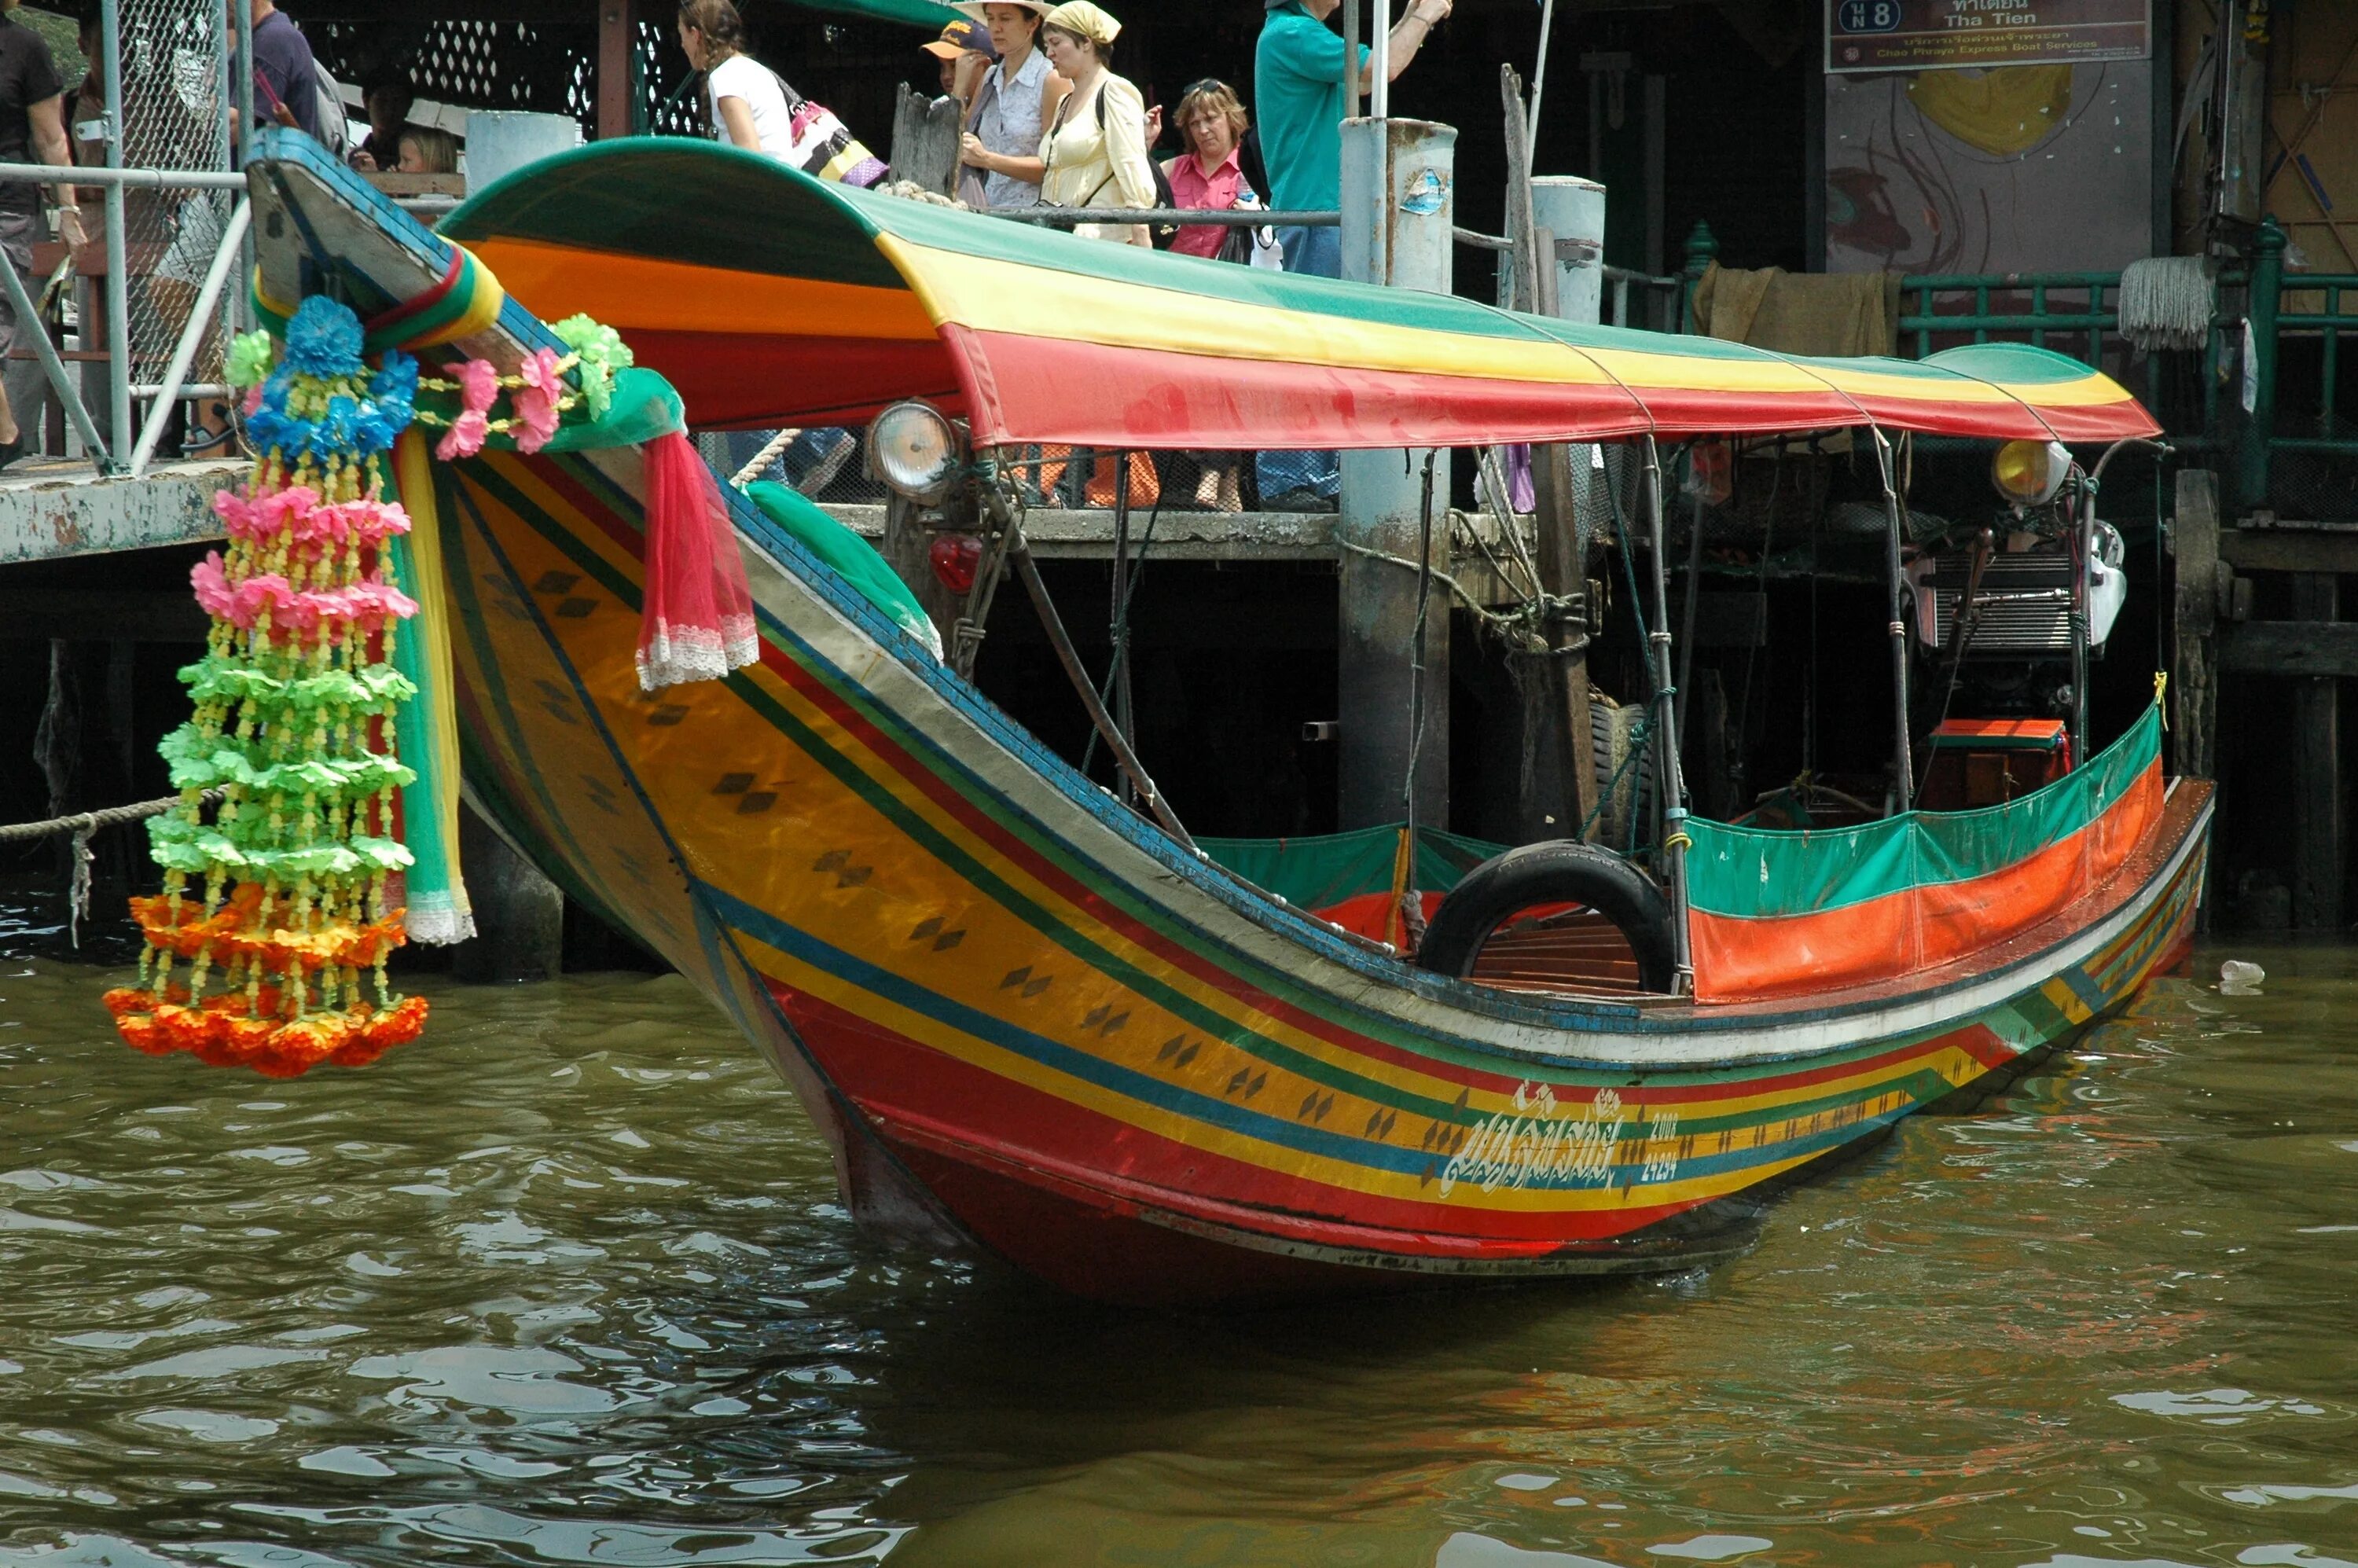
(1559, 872)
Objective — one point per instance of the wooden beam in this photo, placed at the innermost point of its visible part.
(2285, 549)
(616, 77)
(2301, 648)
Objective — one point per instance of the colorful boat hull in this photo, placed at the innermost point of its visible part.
(1109, 1061)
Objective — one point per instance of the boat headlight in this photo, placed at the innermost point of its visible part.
(2028, 473)
(915, 450)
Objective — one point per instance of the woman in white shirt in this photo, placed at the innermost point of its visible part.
(1093, 153)
(1001, 149)
(750, 106)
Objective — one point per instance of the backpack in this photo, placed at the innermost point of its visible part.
(1164, 198)
(335, 120)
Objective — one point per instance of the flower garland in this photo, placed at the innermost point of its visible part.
(284, 900)
(539, 393)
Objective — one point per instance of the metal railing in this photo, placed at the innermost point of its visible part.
(2015, 307)
(122, 388)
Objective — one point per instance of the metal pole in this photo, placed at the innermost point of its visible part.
(1106, 730)
(1687, 619)
(1903, 765)
(1666, 745)
(145, 178)
(238, 142)
(69, 395)
(1379, 91)
(2084, 539)
(1118, 629)
(118, 289)
(184, 353)
(245, 138)
(1539, 76)
(241, 304)
(1353, 67)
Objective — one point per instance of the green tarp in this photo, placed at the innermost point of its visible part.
(854, 558)
(1320, 873)
(1753, 872)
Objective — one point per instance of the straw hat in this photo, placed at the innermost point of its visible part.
(974, 8)
(1085, 19)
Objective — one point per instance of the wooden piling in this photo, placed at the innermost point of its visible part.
(2194, 674)
(519, 913)
(2317, 868)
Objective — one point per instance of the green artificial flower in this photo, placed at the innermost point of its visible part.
(251, 357)
(602, 352)
(384, 854)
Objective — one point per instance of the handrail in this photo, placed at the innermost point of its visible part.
(1221, 217)
(140, 178)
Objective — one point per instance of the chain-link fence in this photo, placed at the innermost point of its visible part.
(175, 115)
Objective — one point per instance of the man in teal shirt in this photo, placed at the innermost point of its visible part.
(1298, 105)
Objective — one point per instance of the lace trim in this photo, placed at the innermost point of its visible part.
(674, 656)
(439, 927)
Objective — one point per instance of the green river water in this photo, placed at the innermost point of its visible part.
(566, 1283)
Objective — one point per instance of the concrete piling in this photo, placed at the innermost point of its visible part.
(1399, 206)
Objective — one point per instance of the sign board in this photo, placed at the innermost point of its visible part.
(1946, 35)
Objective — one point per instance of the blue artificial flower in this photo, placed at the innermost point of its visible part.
(334, 434)
(376, 427)
(396, 381)
(324, 339)
(270, 429)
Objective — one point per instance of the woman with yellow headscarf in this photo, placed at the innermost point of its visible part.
(1095, 149)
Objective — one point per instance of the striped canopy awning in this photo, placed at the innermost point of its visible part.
(918, 13)
(771, 299)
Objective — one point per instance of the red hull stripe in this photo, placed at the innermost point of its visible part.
(915, 1091)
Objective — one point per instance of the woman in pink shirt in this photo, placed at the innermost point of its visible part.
(1209, 176)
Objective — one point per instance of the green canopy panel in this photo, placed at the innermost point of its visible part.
(916, 12)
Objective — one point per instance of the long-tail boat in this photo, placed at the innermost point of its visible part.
(1026, 1016)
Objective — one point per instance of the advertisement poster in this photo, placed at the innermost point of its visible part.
(2017, 169)
(1950, 35)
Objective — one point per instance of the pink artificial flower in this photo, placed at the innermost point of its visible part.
(536, 400)
(264, 590)
(210, 581)
(464, 438)
(479, 388)
(235, 512)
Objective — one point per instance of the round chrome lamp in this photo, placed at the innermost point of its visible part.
(915, 450)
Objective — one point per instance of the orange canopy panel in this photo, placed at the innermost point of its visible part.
(768, 298)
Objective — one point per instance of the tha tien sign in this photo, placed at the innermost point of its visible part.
(1941, 34)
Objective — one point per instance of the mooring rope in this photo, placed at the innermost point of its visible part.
(81, 824)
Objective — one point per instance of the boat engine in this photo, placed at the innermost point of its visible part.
(2003, 627)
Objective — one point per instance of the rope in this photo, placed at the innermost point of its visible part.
(84, 823)
(1533, 612)
(764, 458)
(81, 825)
